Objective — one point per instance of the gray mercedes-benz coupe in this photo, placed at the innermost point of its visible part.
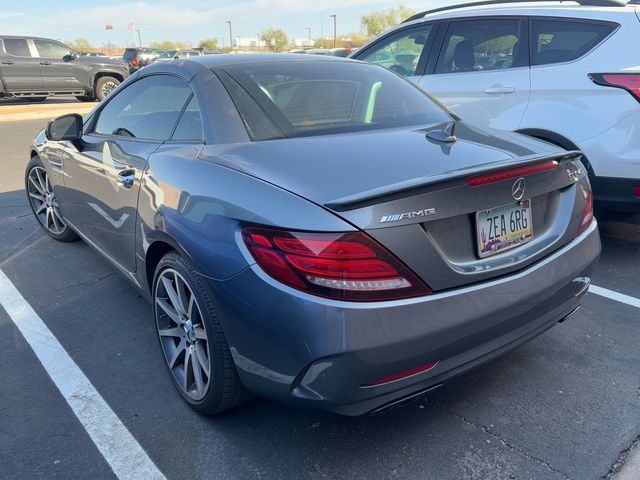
(316, 230)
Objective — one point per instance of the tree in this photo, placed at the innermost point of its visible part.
(163, 45)
(378, 21)
(170, 45)
(80, 44)
(355, 39)
(275, 39)
(209, 43)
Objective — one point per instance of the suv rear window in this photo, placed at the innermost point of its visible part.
(556, 41)
(133, 53)
(17, 47)
(317, 98)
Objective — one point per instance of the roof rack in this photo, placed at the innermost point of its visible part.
(590, 3)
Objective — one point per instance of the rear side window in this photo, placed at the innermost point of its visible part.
(49, 49)
(480, 45)
(147, 109)
(189, 128)
(400, 52)
(556, 41)
(17, 47)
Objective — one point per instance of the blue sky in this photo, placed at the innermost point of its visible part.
(185, 20)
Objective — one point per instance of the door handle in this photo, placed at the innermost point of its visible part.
(7, 62)
(44, 62)
(499, 89)
(125, 178)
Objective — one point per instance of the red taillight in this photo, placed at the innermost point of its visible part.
(627, 81)
(587, 215)
(511, 173)
(134, 62)
(344, 266)
(636, 191)
(397, 376)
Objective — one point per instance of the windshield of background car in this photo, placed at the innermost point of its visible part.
(314, 98)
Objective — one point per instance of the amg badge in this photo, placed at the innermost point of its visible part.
(408, 215)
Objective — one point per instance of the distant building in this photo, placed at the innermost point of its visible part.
(248, 42)
(301, 42)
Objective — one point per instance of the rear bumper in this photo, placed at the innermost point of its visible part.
(617, 194)
(318, 353)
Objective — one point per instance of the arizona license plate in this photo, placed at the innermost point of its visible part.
(503, 228)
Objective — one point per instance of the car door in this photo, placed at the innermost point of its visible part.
(103, 172)
(60, 72)
(482, 71)
(19, 66)
(403, 51)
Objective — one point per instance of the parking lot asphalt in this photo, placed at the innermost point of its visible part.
(564, 406)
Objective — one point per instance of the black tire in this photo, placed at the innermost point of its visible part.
(51, 219)
(104, 86)
(224, 389)
(86, 98)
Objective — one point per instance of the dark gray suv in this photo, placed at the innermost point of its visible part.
(40, 67)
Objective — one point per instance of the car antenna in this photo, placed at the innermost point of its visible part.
(443, 133)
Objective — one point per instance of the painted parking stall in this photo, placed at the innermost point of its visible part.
(122, 452)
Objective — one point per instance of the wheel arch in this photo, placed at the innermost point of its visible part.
(556, 139)
(157, 249)
(107, 73)
(154, 254)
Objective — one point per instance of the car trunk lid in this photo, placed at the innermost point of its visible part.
(413, 194)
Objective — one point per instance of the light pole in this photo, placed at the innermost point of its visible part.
(334, 29)
(139, 40)
(308, 29)
(230, 35)
(321, 29)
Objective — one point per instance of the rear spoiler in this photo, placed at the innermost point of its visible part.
(412, 187)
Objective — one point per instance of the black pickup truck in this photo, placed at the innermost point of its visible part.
(38, 68)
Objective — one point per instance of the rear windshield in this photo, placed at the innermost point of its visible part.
(313, 98)
(130, 55)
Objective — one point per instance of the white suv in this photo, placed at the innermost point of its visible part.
(567, 73)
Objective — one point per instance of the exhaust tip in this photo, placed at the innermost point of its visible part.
(404, 400)
(582, 285)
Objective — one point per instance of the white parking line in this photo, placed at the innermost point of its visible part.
(123, 453)
(618, 297)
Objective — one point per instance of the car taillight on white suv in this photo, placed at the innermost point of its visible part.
(626, 81)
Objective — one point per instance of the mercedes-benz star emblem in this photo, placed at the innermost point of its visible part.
(518, 189)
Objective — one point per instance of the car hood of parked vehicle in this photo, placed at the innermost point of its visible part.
(338, 169)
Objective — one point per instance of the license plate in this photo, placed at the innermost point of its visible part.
(503, 228)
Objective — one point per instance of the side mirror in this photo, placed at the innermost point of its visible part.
(66, 127)
(70, 56)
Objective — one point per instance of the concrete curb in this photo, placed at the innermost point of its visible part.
(12, 113)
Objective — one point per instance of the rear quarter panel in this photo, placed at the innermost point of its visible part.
(199, 205)
(563, 98)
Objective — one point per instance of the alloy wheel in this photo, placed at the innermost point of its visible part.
(43, 201)
(108, 87)
(183, 335)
